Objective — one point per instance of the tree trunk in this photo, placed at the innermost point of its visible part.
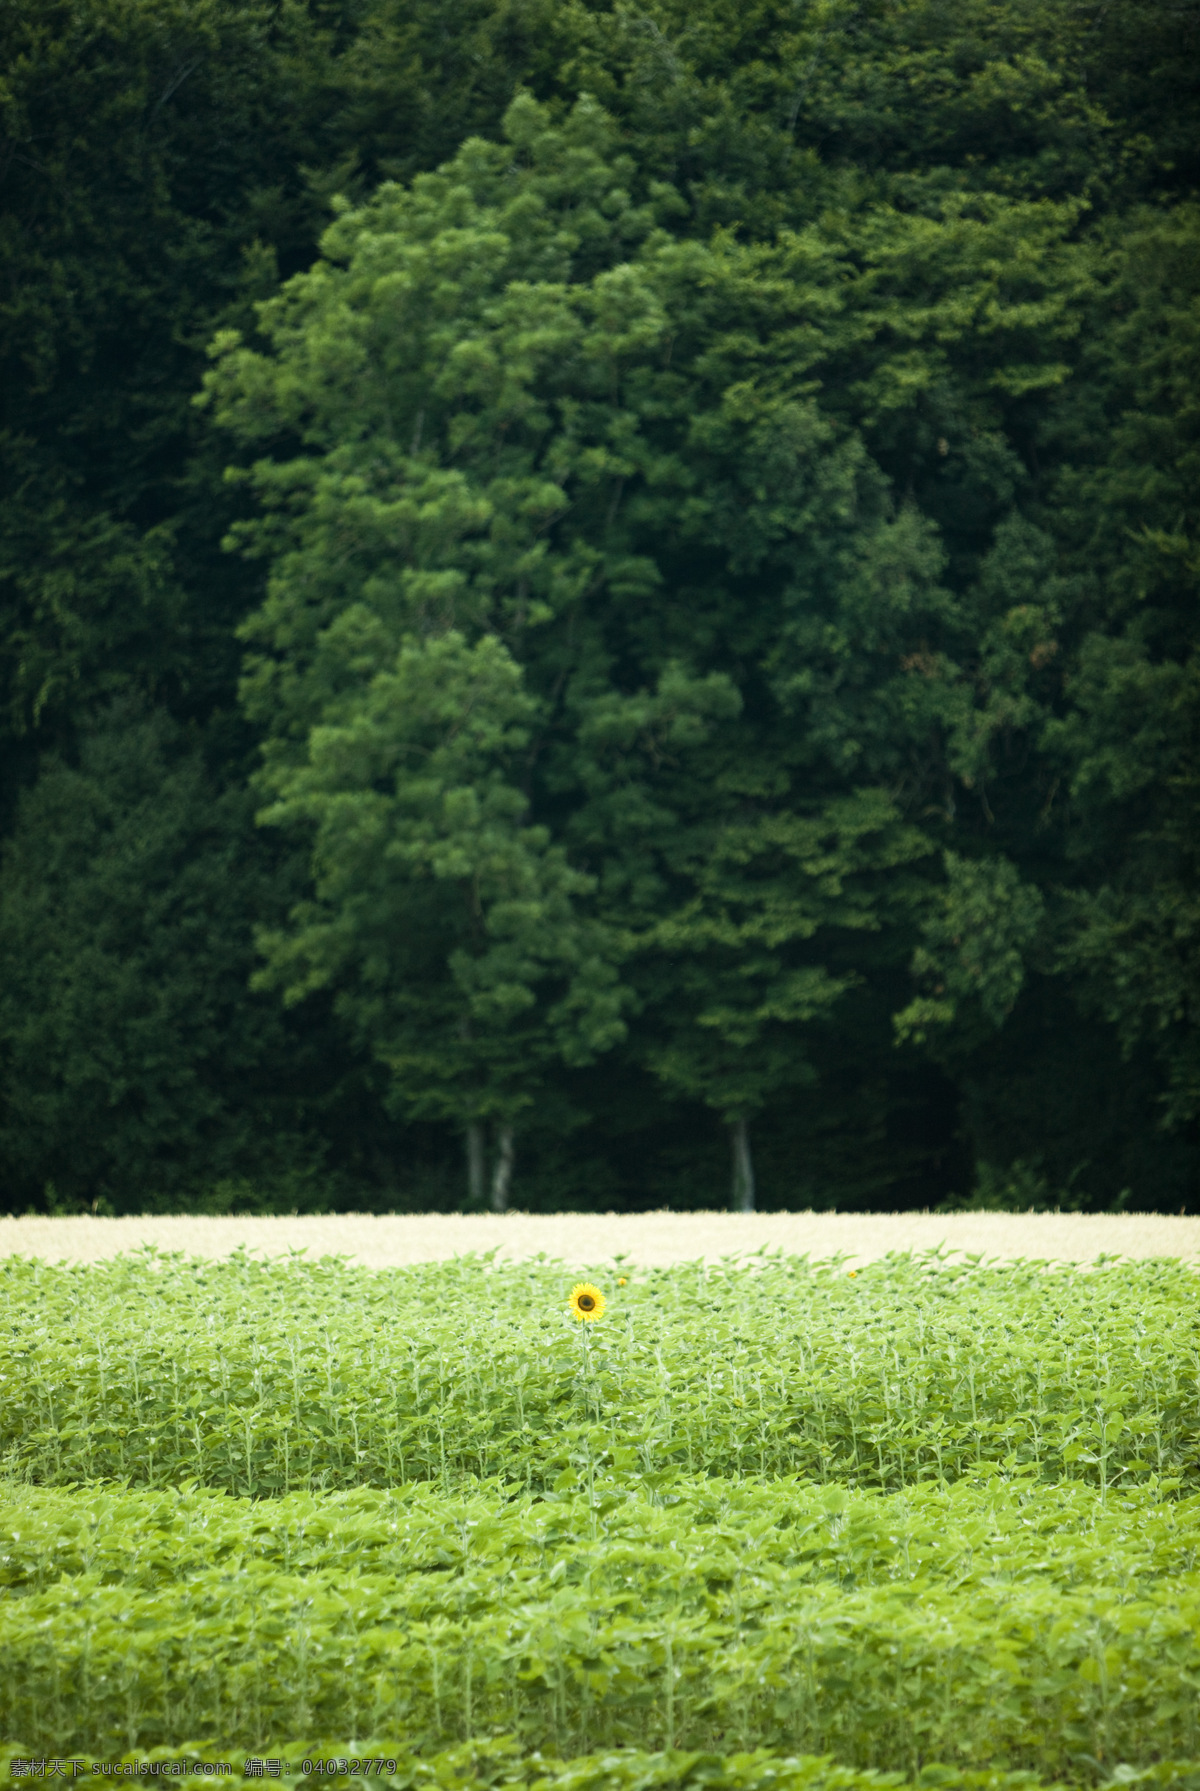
(502, 1171)
(476, 1168)
(743, 1167)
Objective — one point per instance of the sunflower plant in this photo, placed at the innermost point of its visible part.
(586, 1302)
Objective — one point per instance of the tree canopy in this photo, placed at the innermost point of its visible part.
(670, 611)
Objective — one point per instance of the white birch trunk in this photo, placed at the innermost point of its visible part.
(743, 1167)
(503, 1168)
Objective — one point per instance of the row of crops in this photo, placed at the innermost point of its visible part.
(772, 1524)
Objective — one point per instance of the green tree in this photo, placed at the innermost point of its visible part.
(445, 921)
(817, 429)
(135, 1068)
(534, 421)
(768, 946)
(413, 561)
(1127, 743)
(139, 144)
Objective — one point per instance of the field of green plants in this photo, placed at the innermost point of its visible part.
(768, 1524)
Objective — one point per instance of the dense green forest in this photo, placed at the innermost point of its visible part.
(598, 601)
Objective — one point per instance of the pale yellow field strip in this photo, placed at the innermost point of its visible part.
(595, 1239)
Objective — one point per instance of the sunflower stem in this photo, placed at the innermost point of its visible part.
(591, 1468)
(587, 1373)
(588, 1399)
(670, 1679)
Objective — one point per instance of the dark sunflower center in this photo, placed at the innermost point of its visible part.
(586, 1302)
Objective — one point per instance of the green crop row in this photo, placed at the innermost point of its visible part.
(499, 1766)
(990, 1530)
(1036, 1628)
(266, 1378)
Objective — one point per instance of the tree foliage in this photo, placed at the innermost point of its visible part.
(714, 582)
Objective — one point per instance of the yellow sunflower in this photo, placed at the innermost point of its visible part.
(586, 1301)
